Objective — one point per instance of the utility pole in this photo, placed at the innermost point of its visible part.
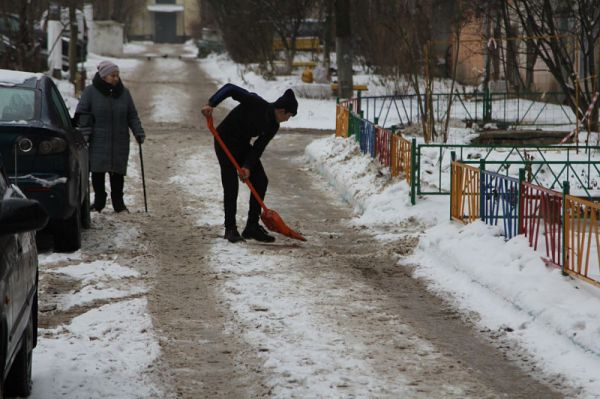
(343, 46)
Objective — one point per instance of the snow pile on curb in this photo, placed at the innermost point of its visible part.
(553, 317)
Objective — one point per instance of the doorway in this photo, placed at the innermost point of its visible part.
(165, 27)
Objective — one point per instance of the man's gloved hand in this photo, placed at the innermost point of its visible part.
(207, 110)
(140, 139)
(244, 174)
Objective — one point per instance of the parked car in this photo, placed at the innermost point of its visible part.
(19, 218)
(45, 154)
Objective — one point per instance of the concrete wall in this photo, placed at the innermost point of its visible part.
(142, 25)
(471, 62)
(106, 38)
(191, 16)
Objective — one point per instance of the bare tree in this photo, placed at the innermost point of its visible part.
(564, 35)
(115, 10)
(247, 33)
(327, 37)
(426, 43)
(22, 19)
(72, 6)
(343, 48)
(286, 17)
(249, 27)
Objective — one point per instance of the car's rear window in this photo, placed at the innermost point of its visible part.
(16, 104)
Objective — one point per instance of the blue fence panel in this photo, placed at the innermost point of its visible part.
(361, 135)
(369, 140)
(500, 200)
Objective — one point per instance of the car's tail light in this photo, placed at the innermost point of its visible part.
(52, 146)
(24, 144)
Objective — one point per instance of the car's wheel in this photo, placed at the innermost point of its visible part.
(86, 217)
(67, 233)
(19, 382)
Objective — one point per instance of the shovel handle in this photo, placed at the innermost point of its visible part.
(211, 127)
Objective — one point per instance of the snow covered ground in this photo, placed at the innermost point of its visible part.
(104, 351)
(506, 283)
(554, 317)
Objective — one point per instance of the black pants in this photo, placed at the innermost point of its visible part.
(117, 181)
(230, 181)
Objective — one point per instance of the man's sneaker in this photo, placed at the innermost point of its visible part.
(232, 235)
(258, 233)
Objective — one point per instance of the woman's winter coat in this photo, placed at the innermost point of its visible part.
(114, 113)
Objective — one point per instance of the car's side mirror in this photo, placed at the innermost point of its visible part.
(18, 215)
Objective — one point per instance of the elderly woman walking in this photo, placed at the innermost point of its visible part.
(114, 113)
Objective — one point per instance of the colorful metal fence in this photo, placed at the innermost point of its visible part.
(354, 122)
(342, 115)
(383, 146)
(564, 227)
(541, 221)
(503, 108)
(367, 138)
(548, 166)
(500, 201)
(581, 241)
(392, 150)
(464, 197)
(402, 157)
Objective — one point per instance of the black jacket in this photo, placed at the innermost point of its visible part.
(253, 117)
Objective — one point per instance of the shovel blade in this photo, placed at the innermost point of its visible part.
(273, 222)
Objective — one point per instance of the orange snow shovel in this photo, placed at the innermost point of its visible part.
(270, 218)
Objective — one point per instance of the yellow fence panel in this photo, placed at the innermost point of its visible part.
(582, 248)
(342, 114)
(405, 157)
(400, 162)
(464, 193)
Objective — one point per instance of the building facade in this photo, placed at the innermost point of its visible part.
(165, 21)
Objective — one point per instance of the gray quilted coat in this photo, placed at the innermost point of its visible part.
(114, 113)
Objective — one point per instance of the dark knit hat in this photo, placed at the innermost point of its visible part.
(105, 68)
(287, 102)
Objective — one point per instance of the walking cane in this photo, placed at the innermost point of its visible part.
(143, 177)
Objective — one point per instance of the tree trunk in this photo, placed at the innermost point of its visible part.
(327, 38)
(103, 10)
(343, 48)
(530, 64)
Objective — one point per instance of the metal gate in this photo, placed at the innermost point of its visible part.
(165, 27)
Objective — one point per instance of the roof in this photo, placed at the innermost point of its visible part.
(13, 78)
(165, 7)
